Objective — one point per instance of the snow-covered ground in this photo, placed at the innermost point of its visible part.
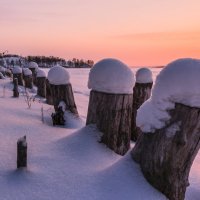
(68, 163)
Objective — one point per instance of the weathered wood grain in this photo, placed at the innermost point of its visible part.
(166, 156)
(141, 92)
(112, 115)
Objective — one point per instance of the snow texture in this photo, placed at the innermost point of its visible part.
(41, 73)
(144, 75)
(33, 65)
(2, 76)
(23, 141)
(27, 72)
(111, 76)
(63, 105)
(17, 70)
(2, 69)
(68, 162)
(58, 75)
(178, 82)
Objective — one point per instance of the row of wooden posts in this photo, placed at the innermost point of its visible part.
(165, 161)
(114, 114)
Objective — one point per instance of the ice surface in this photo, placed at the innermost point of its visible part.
(41, 73)
(178, 82)
(111, 76)
(144, 75)
(58, 75)
(17, 70)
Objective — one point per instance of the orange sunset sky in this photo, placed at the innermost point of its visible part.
(138, 32)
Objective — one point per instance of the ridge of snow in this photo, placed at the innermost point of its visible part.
(111, 76)
(58, 75)
(178, 82)
(144, 75)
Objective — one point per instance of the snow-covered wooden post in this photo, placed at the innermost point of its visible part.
(141, 92)
(15, 88)
(61, 88)
(28, 78)
(41, 83)
(33, 66)
(17, 73)
(22, 152)
(110, 104)
(49, 97)
(170, 124)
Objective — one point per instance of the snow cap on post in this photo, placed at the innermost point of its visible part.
(17, 70)
(27, 72)
(111, 76)
(58, 75)
(178, 82)
(41, 73)
(144, 75)
(33, 65)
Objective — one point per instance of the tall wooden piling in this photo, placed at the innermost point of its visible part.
(33, 66)
(28, 78)
(17, 73)
(170, 124)
(41, 83)
(49, 97)
(110, 103)
(22, 152)
(141, 92)
(61, 89)
(15, 88)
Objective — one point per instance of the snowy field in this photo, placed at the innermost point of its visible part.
(68, 163)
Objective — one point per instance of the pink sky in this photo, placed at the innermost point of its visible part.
(148, 32)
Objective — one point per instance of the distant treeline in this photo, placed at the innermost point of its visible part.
(44, 61)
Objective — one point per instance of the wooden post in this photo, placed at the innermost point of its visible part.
(63, 93)
(166, 156)
(141, 92)
(19, 77)
(22, 152)
(112, 115)
(49, 97)
(41, 84)
(34, 75)
(15, 89)
(28, 81)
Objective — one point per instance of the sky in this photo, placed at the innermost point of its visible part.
(137, 32)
